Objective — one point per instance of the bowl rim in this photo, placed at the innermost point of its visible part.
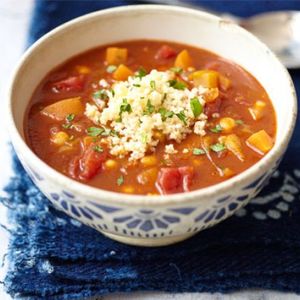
(146, 200)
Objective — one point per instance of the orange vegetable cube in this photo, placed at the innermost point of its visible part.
(227, 172)
(224, 82)
(122, 73)
(211, 95)
(183, 60)
(59, 110)
(260, 142)
(227, 124)
(233, 143)
(206, 78)
(258, 110)
(83, 69)
(116, 56)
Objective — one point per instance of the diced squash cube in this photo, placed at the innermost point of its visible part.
(59, 110)
(258, 110)
(60, 138)
(211, 95)
(260, 142)
(83, 69)
(227, 124)
(147, 176)
(206, 78)
(224, 82)
(159, 136)
(116, 56)
(122, 73)
(233, 143)
(183, 60)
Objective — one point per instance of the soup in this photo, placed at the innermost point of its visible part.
(150, 117)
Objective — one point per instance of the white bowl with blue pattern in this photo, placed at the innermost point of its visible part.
(151, 220)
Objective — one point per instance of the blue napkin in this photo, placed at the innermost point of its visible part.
(54, 257)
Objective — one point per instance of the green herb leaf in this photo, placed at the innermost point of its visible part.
(95, 131)
(111, 68)
(198, 151)
(120, 180)
(136, 85)
(182, 117)
(98, 148)
(70, 117)
(149, 108)
(165, 113)
(178, 85)
(216, 129)
(239, 122)
(218, 147)
(112, 132)
(66, 126)
(141, 72)
(152, 84)
(101, 94)
(125, 107)
(196, 107)
(112, 92)
(176, 70)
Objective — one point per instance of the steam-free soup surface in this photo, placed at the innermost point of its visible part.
(150, 117)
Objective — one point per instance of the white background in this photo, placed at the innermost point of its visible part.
(14, 22)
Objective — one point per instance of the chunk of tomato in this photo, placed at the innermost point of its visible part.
(173, 180)
(70, 84)
(86, 166)
(165, 52)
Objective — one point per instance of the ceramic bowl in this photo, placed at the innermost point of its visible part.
(151, 220)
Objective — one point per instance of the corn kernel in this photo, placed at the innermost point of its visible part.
(227, 124)
(83, 69)
(147, 176)
(227, 172)
(60, 138)
(110, 164)
(149, 161)
(260, 142)
(128, 189)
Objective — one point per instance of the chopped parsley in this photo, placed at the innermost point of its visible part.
(111, 68)
(218, 147)
(66, 126)
(136, 85)
(239, 122)
(95, 131)
(98, 149)
(70, 117)
(112, 92)
(198, 151)
(101, 94)
(178, 85)
(165, 113)
(149, 108)
(176, 70)
(196, 107)
(120, 180)
(125, 107)
(141, 72)
(181, 116)
(216, 129)
(152, 84)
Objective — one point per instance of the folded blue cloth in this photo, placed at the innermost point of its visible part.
(54, 257)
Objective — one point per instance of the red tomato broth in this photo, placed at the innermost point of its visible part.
(242, 94)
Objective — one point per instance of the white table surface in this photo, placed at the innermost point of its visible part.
(14, 20)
